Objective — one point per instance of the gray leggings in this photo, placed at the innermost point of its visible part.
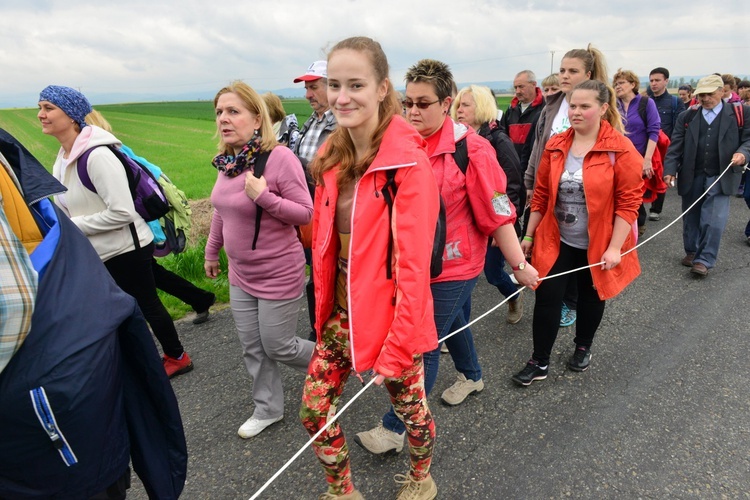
(267, 331)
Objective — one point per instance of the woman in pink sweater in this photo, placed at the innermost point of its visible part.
(267, 265)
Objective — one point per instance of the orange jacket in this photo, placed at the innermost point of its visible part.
(610, 189)
(390, 320)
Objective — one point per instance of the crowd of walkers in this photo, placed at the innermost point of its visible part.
(397, 203)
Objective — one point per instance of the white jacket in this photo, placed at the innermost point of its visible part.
(104, 217)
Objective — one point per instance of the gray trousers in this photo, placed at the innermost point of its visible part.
(267, 331)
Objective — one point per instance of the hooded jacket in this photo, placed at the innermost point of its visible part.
(86, 393)
(476, 203)
(610, 187)
(390, 320)
(104, 217)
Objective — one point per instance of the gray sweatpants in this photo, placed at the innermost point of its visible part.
(267, 331)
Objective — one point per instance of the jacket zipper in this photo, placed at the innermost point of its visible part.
(46, 417)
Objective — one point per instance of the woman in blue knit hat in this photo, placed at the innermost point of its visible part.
(107, 215)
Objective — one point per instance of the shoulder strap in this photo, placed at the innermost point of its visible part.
(739, 114)
(389, 191)
(642, 109)
(83, 172)
(461, 155)
(258, 168)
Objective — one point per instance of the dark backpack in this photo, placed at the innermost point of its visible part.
(148, 196)
(389, 190)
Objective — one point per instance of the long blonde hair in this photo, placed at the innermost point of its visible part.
(339, 146)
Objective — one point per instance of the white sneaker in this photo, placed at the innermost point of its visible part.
(253, 426)
(455, 394)
(380, 440)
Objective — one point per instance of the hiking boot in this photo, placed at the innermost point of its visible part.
(253, 426)
(455, 394)
(380, 440)
(567, 315)
(515, 309)
(654, 216)
(530, 373)
(426, 489)
(579, 361)
(354, 495)
(699, 269)
(202, 316)
(177, 366)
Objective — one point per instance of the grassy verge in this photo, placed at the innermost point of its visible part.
(189, 265)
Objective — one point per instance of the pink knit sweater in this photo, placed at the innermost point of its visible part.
(275, 270)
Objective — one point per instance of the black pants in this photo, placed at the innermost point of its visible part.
(177, 286)
(658, 203)
(550, 293)
(642, 213)
(132, 272)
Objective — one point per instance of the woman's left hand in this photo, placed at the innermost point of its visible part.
(610, 259)
(254, 185)
(648, 169)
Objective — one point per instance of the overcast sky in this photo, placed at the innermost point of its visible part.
(175, 48)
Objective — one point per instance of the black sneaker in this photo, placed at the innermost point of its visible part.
(531, 373)
(579, 361)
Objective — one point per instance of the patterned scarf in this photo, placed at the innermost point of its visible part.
(231, 165)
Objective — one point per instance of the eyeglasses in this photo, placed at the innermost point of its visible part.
(621, 83)
(421, 105)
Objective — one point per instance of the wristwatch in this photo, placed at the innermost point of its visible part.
(520, 267)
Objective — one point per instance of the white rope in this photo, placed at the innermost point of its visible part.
(493, 309)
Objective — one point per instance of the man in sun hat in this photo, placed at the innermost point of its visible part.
(706, 139)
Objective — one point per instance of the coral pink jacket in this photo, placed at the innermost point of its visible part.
(390, 320)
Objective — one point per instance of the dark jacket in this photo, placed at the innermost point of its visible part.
(520, 125)
(89, 361)
(680, 159)
(669, 106)
(508, 160)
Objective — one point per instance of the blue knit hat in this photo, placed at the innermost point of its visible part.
(72, 102)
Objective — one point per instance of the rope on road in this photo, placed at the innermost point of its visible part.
(479, 318)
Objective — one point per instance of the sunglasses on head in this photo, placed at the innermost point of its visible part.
(421, 105)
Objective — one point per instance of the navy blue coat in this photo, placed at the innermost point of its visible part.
(87, 391)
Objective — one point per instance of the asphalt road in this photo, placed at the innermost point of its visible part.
(662, 412)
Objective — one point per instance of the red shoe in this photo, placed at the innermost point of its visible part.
(175, 366)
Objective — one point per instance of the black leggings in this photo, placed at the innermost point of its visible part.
(549, 295)
(132, 272)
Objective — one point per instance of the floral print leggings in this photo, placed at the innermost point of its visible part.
(329, 369)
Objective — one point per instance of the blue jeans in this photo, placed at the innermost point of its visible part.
(703, 225)
(495, 273)
(452, 301)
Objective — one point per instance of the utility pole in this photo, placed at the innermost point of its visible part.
(552, 62)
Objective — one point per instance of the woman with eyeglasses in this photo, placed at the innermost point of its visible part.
(642, 126)
(588, 190)
(577, 65)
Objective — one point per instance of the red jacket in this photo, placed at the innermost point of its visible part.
(390, 320)
(609, 190)
(476, 204)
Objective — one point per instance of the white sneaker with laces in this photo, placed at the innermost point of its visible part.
(380, 440)
(253, 426)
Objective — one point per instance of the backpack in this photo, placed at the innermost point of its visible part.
(176, 223)
(148, 196)
(389, 190)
